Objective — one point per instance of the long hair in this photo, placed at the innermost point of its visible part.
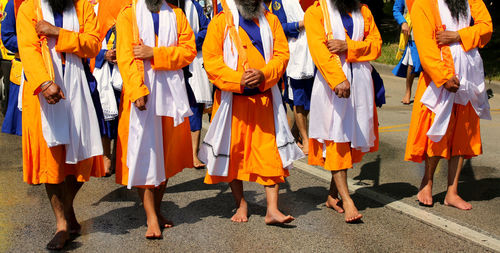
(346, 6)
(458, 8)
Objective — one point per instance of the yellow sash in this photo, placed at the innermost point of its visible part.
(16, 72)
(403, 39)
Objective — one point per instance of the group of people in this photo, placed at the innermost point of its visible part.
(140, 74)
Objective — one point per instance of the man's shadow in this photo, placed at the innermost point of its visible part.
(471, 189)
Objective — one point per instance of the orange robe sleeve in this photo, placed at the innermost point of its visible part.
(424, 31)
(85, 43)
(132, 70)
(177, 57)
(29, 47)
(369, 48)
(276, 67)
(316, 38)
(480, 33)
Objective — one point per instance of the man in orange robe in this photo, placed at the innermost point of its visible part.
(245, 98)
(154, 43)
(453, 73)
(64, 165)
(342, 101)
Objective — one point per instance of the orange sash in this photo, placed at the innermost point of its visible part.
(235, 38)
(446, 55)
(44, 47)
(328, 27)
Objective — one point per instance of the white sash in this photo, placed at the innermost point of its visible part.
(20, 94)
(339, 119)
(470, 72)
(200, 85)
(104, 80)
(72, 121)
(215, 149)
(168, 97)
(300, 65)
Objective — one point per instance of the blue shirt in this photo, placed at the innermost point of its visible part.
(291, 29)
(9, 36)
(398, 10)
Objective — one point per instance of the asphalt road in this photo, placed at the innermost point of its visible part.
(384, 189)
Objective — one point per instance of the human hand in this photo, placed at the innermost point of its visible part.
(140, 103)
(44, 28)
(405, 28)
(143, 52)
(110, 56)
(336, 46)
(301, 25)
(452, 85)
(52, 93)
(254, 78)
(447, 37)
(343, 90)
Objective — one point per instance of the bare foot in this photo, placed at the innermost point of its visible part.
(305, 147)
(334, 203)
(406, 99)
(277, 217)
(153, 231)
(58, 241)
(74, 228)
(197, 163)
(351, 212)
(456, 201)
(107, 165)
(425, 195)
(241, 214)
(164, 223)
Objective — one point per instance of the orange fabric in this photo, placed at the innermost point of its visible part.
(366, 50)
(339, 156)
(108, 11)
(306, 3)
(176, 140)
(235, 38)
(254, 152)
(47, 59)
(40, 163)
(409, 4)
(462, 137)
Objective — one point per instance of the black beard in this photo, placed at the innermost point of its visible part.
(58, 6)
(249, 9)
(346, 6)
(154, 6)
(458, 8)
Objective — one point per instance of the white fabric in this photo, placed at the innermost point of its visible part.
(407, 60)
(20, 94)
(345, 119)
(301, 65)
(215, 149)
(200, 85)
(469, 70)
(168, 97)
(107, 98)
(72, 121)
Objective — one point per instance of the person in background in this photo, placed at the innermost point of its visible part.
(409, 65)
(12, 123)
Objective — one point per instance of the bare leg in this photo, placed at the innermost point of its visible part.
(71, 189)
(301, 120)
(147, 197)
(106, 146)
(55, 192)
(195, 138)
(273, 214)
(351, 212)
(158, 192)
(409, 82)
(241, 214)
(425, 193)
(452, 199)
(333, 200)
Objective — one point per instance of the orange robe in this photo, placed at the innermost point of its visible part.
(339, 156)
(463, 135)
(176, 140)
(254, 152)
(42, 164)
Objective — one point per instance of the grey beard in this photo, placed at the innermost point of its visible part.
(154, 6)
(249, 9)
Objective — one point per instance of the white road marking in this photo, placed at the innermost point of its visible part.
(449, 226)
